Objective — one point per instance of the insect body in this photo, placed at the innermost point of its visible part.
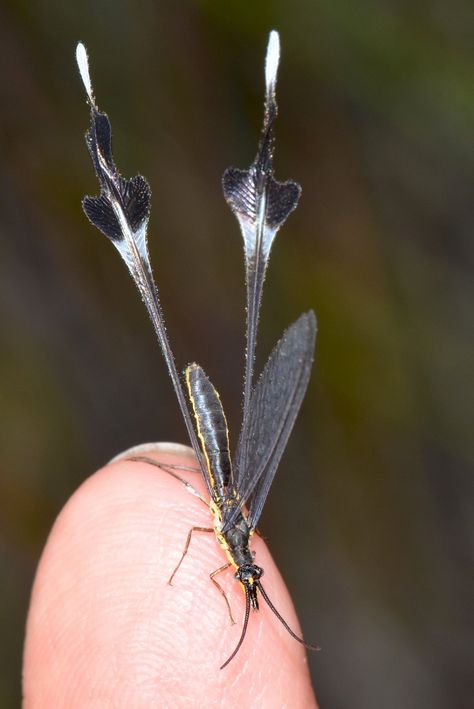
(225, 500)
(275, 402)
(237, 487)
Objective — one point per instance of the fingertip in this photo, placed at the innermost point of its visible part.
(102, 614)
(155, 449)
(104, 623)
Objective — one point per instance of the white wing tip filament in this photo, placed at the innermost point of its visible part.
(83, 66)
(272, 61)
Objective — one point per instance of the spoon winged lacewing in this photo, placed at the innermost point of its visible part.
(237, 487)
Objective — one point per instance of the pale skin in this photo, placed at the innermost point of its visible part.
(105, 629)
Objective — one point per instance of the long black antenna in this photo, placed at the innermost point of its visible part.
(283, 621)
(244, 628)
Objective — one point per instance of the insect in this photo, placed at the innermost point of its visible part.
(237, 487)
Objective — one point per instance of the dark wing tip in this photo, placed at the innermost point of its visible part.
(99, 144)
(136, 197)
(240, 192)
(283, 198)
(100, 213)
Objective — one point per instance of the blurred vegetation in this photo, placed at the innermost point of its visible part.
(369, 516)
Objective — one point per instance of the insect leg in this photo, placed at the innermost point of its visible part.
(186, 547)
(170, 468)
(211, 576)
(158, 464)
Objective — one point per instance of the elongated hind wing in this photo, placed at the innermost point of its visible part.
(274, 405)
(261, 206)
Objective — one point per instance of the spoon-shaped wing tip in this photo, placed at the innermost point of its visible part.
(272, 60)
(83, 66)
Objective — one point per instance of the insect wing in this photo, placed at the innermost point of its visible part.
(274, 405)
(261, 206)
(121, 212)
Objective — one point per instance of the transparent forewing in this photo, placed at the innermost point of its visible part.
(274, 405)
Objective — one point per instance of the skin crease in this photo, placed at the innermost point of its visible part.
(106, 630)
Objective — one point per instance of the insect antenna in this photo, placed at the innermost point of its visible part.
(283, 621)
(244, 628)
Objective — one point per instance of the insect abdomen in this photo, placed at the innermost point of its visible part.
(212, 429)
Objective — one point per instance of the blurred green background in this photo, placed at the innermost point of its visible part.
(369, 514)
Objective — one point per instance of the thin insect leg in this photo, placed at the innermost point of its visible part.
(169, 468)
(186, 547)
(173, 466)
(211, 576)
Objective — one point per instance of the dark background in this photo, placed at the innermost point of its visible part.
(369, 514)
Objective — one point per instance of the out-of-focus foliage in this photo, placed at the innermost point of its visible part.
(370, 510)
